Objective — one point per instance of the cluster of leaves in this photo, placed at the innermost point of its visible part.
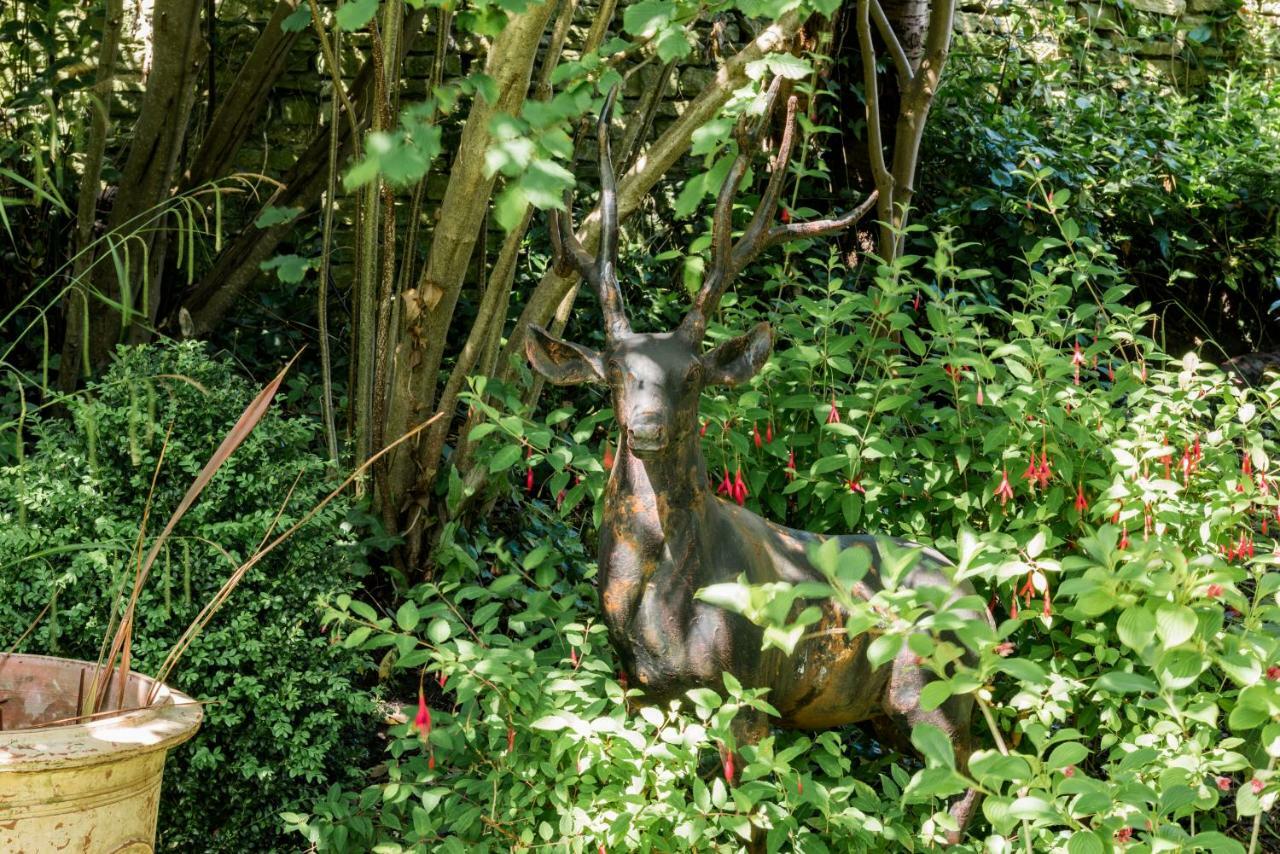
(284, 717)
(1179, 182)
(1113, 505)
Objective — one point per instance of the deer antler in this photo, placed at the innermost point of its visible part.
(728, 258)
(570, 254)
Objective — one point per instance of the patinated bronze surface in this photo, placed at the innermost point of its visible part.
(664, 535)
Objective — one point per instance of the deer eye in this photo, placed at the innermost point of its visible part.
(695, 370)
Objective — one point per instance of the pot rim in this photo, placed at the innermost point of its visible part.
(173, 719)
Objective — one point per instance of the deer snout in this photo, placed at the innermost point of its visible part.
(647, 435)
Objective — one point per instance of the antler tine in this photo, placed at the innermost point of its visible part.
(568, 252)
(747, 135)
(730, 259)
(615, 316)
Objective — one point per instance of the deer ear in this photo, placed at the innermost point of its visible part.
(739, 359)
(562, 362)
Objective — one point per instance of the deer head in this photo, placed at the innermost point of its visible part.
(656, 378)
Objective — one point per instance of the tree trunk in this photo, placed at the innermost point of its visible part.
(245, 100)
(147, 178)
(427, 309)
(76, 304)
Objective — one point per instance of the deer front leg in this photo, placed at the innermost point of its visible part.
(902, 704)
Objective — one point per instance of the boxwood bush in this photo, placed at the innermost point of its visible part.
(284, 716)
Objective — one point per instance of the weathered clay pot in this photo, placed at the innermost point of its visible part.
(88, 787)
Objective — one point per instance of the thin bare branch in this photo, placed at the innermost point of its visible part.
(891, 40)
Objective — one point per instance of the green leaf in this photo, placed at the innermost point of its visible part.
(407, 616)
(1175, 624)
(439, 630)
(505, 458)
(290, 269)
(1067, 753)
(298, 21)
(1136, 627)
(276, 215)
(883, 649)
(355, 14)
(1119, 682)
(1085, 842)
(934, 745)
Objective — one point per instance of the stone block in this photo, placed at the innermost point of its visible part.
(1162, 7)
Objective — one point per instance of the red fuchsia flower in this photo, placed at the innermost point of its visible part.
(791, 465)
(1273, 673)
(1013, 606)
(980, 400)
(573, 657)
(1167, 459)
(702, 431)
(608, 457)
(1224, 784)
(740, 489)
(1043, 474)
(1069, 771)
(1047, 610)
(1030, 473)
(833, 415)
(528, 479)
(1004, 491)
(1124, 537)
(1186, 464)
(1142, 374)
(511, 739)
(1077, 359)
(915, 303)
(1256, 785)
(786, 215)
(855, 485)
(1213, 591)
(1082, 504)
(799, 785)
(1246, 465)
(442, 678)
(768, 433)
(422, 722)
(1124, 834)
(1111, 372)
(755, 435)
(726, 484)
(1148, 523)
(1004, 650)
(726, 760)
(560, 498)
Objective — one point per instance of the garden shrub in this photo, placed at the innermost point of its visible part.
(1113, 505)
(285, 716)
(1180, 183)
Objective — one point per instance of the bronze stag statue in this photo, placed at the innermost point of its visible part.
(664, 534)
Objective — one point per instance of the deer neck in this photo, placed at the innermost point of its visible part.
(674, 480)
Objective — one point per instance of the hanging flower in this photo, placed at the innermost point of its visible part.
(855, 485)
(755, 435)
(702, 430)
(608, 456)
(1224, 784)
(442, 678)
(511, 739)
(1047, 611)
(1082, 503)
(573, 657)
(726, 484)
(1256, 785)
(1030, 473)
(1043, 474)
(1124, 537)
(1167, 459)
(1213, 591)
(1273, 673)
(980, 399)
(786, 215)
(1004, 650)
(833, 415)
(1077, 359)
(422, 722)
(1004, 491)
(740, 489)
(791, 465)
(768, 433)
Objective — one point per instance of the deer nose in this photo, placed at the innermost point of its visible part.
(647, 434)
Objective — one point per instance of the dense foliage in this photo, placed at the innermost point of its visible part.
(1129, 562)
(282, 719)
